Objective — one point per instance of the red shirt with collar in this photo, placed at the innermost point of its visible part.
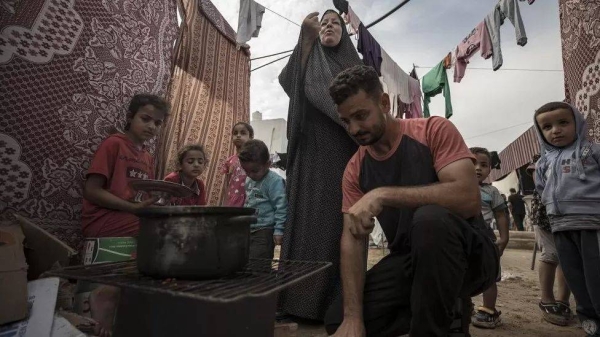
(119, 160)
(199, 197)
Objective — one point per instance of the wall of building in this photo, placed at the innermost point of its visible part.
(271, 131)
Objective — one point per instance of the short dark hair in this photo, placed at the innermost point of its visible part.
(190, 147)
(350, 81)
(481, 150)
(512, 190)
(140, 100)
(247, 126)
(553, 106)
(254, 151)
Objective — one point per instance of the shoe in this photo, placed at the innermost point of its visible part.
(590, 327)
(553, 313)
(486, 318)
(565, 310)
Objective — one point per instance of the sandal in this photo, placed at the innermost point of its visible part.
(552, 313)
(565, 309)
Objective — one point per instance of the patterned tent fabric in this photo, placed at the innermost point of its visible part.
(517, 154)
(209, 93)
(67, 72)
(580, 33)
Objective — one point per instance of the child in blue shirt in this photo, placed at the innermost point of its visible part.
(265, 191)
(567, 176)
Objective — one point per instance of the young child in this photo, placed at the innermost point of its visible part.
(492, 207)
(108, 206)
(192, 161)
(236, 177)
(567, 176)
(265, 191)
(555, 310)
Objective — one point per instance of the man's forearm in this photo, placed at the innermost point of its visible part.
(459, 198)
(352, 269)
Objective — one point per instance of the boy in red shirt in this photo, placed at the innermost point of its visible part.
(192, 162)
(108, 206)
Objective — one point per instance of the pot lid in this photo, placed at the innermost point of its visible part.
(189, 210)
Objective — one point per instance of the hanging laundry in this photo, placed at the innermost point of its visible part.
(353, 21)
(414, 108)
(413, 73)
(504, 9)
(369, 48)
(250, 19)
(434, 82)
(396, 80)
(448, 61)
(479, 38)
(341, 5)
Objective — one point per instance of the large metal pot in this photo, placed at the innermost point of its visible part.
(193, 242)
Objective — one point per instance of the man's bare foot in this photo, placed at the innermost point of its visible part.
(103, 306)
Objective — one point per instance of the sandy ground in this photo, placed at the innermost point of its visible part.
(517, 300)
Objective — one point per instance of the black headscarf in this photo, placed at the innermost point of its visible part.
(323, 64)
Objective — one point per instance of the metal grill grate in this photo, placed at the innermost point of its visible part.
(259, 278)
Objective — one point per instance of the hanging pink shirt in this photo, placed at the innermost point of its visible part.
(236, 192)
(478, 39)
(415, 110)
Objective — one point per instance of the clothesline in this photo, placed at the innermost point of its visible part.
(367, 26)
(283, 17)
(495, 131)
(266, 64)
(509, 69)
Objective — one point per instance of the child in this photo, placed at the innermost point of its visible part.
(492, 207)
(567, 176)
(108, 207)
(236, 177)
(265, 191)
(192, 160)
(555, 310)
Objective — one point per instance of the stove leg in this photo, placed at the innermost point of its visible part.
(157, 315)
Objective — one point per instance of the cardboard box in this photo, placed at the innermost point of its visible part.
(42, 249)
(13, 275)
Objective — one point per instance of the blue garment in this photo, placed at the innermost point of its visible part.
(568, 179)
(268, 198)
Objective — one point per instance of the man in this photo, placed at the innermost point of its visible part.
(517, 208)
(417, 177)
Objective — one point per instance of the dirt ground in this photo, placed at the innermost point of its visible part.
(517, 300)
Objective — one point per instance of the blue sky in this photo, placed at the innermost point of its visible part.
(491, 108)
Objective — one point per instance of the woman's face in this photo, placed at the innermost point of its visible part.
(331, 30)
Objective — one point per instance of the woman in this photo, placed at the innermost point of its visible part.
(318, 151)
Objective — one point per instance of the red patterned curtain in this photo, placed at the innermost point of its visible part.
(580, 33)
(209, 92)
(67, 72)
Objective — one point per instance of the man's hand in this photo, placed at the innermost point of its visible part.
(363, 214)
(501, 245)
(351, 327)
(278, 239)
(311, 27)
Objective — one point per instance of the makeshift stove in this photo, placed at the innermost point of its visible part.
(242, 304)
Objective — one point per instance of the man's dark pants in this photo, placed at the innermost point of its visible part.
(415, 292)
(519, 218)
